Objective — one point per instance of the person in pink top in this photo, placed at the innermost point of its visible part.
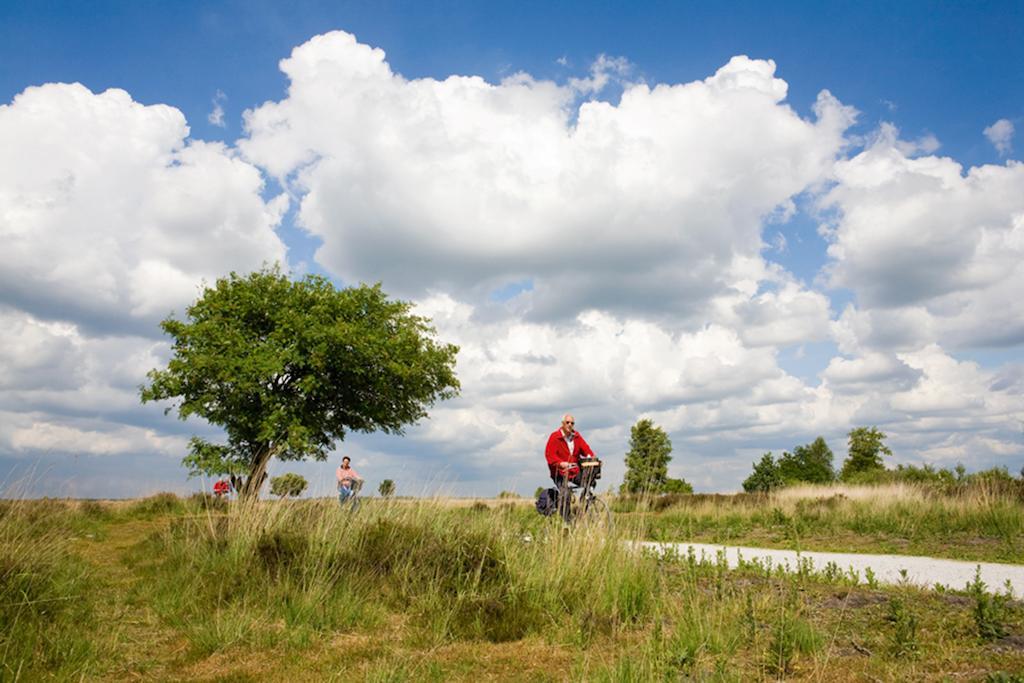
(349, 480)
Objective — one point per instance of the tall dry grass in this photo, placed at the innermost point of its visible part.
(46, 593)
(276, 580)
(288, 570)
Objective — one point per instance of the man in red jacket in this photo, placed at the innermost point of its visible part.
(565, 448)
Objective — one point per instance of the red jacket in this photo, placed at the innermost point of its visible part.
(558, 451)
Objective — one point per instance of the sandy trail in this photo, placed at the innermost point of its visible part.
(888, 569)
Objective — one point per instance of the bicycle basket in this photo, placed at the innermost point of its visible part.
(590, 469)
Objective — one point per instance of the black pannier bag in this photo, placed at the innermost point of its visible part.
(547, 502)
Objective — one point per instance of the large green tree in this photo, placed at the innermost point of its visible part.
(811, 463)
(867, 444)
(287, 368)
(647, 460)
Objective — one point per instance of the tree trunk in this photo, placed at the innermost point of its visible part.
(258, 474)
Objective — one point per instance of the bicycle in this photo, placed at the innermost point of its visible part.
(352, 500)
(577, 502)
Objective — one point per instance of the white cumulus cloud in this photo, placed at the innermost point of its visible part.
(1000, 134)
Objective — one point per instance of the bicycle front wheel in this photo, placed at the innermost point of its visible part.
(594, 512)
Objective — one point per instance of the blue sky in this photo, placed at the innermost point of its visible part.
(890, 314)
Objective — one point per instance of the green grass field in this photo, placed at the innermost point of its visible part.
(171, 589)
(981, 523)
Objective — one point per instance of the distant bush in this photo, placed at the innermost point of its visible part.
(204, 500)
(93, 509)
(956, 481)
(157, 504)
(509, 494)
(288, 484)
(675, 486)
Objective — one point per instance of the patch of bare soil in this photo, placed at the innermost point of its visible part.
(854, 599)
(1012, 643)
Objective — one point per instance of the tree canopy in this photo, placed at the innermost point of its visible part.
(287, 368)
(808, 464)
(765, 476)
(647, 460)
(866, 444)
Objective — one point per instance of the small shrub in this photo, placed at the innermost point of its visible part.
(158, 504)
(288, 484)
(204, 500)
(93, 510)
(903, 637)
(990, 611)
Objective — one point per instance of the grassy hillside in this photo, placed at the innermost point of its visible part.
(171, 589)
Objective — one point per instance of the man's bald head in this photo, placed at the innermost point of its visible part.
(568, 424)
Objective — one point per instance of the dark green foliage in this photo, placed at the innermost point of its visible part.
(647, 460)
(288, 368)
(765, 477)
(867, 445)
(288, 484)
(386, 488)
(677, 486)
(811, 464)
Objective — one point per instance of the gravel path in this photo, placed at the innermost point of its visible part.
(890, 569)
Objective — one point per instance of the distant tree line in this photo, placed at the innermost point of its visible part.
(864, 464)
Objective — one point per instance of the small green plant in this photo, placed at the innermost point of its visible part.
(1003, 677)
(990, 611)
(903, 637)
(870, 578)
(386, 488)
(288, 485)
